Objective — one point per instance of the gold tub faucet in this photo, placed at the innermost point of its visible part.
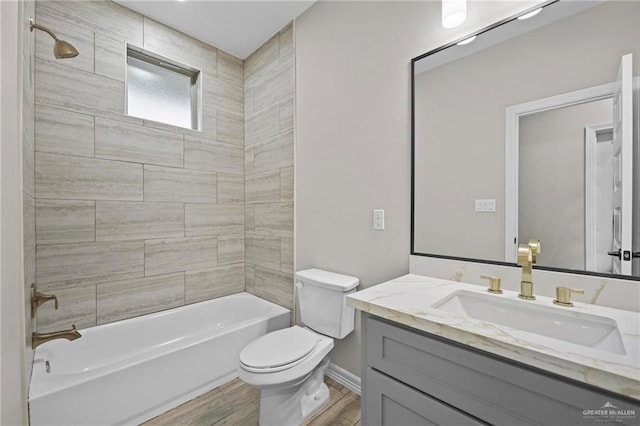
(527, 257)
(39, 338)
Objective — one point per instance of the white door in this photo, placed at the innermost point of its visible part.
(598, 196)
(623, 168)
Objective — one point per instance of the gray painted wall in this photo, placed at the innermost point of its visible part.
(353, 134)
(15, 361)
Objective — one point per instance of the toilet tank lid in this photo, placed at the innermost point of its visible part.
(326, 279)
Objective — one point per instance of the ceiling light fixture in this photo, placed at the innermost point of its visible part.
(530, 14)
(467, 41)
(454, 12)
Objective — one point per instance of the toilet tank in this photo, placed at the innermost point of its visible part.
(322, 297)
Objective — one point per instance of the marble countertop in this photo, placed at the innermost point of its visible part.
(409, 300)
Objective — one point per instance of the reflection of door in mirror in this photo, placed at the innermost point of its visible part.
(598, 197)
(623, 167)
(582, 217)
(551, 193)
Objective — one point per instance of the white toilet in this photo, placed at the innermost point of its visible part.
(288, 365)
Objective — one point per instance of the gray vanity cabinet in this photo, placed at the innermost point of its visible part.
(414, 378)
(391, 402)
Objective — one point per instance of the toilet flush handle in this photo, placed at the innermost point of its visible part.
(299, 284)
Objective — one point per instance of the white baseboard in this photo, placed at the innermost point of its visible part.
(344, 377)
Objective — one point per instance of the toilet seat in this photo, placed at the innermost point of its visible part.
(289, 374)
(278, 350)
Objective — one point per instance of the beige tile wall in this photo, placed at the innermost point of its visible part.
(269, 159)
(132, 216)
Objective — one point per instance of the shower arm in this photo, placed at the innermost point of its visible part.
(33, 26)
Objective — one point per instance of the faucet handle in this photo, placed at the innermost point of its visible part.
(536, 248)
(563, 296)
(525, 257)
(528, 253)
(495, 284)
(38, 299)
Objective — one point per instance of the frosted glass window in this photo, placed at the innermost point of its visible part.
(161, 91)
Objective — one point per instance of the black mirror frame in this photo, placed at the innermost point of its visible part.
(413, 183)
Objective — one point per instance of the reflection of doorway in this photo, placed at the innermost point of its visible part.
(513, 205)
(551, 180)
(598, 191)
(513, 116)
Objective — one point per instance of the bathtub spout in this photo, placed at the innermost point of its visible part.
(39, 338)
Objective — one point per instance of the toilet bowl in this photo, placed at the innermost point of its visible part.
(283, 356)
(288, 365)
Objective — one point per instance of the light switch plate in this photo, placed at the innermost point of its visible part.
(486, 206)
(378, 219)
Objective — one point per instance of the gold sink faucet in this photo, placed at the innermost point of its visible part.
(527, 257)
(39, 338)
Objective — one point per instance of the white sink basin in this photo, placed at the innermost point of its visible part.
(559, 323)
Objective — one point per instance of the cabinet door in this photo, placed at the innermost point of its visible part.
(389, 402)
(496, 390)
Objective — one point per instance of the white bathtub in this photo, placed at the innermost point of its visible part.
(130, 371)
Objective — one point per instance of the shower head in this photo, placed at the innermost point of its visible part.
(61, 49)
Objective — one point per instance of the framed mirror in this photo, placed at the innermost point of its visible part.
(514, 137)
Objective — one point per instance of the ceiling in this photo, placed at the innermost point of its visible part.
(238, 27)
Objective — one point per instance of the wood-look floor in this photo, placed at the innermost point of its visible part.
(237, 403)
